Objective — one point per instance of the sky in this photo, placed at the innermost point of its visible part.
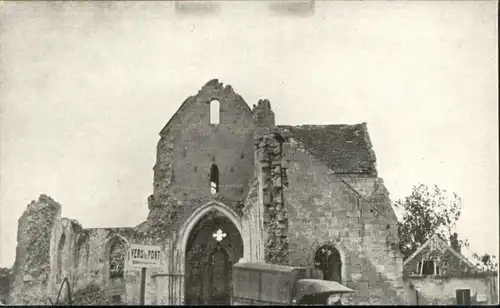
(87, 87)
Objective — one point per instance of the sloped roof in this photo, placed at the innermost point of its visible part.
(345, 149)
(436, 237)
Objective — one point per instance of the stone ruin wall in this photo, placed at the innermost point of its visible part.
(189, 145)
(31, 270)
(306, 206)
(84, 262)
(297, 200)
(87, 262)
(269, 155)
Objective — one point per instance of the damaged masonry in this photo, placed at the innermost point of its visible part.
(229, 187)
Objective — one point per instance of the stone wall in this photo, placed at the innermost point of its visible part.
(268, 149)
(442, 291)
(287, 204)
(86, 262)
(64, 235)
(352, 214)
(189, 145)
(82, 256)
(263, 116)
(98, 267)
(5, 278)
(253, 221)
(31, 270)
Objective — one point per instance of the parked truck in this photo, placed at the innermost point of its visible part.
(260, 283)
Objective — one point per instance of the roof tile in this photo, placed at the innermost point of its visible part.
(346, 149)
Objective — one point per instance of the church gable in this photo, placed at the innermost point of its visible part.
(206, 148)
(345, 149)
(214, 104)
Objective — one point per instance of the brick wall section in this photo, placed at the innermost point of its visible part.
(32, 265)
(322, 209)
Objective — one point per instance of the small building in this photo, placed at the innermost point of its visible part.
(438, 274)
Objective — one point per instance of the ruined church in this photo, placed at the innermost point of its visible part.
(229, 186)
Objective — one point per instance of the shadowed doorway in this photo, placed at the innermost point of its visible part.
(328, 260)
(213, 246)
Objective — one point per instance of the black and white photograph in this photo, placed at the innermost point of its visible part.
(272, 152)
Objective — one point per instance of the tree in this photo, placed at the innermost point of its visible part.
(427, 211)
(486, 262)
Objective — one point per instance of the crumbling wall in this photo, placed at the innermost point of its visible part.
(91, 294)
(262, 114)
(71, 230)
(353, 215)
(163, 173)
(5, 278)
(33, 259)
(190, 144)
(275, 216)
(87, 263)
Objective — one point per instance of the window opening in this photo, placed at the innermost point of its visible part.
(214, 179)
(419, 268)
(116, 260)
(428, 268)
(214, 112)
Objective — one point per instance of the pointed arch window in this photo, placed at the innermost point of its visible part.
(214, 179)
(214, 112)
(60, 256)
(116, 260)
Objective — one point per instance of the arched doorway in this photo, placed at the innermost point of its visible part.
(329, 261)
(213, 246)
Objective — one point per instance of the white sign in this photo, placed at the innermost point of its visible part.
(481, 298)
(145, 256)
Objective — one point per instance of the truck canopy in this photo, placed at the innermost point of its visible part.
(316, 287)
